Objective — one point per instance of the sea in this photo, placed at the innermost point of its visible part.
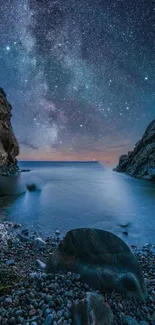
(82, 194)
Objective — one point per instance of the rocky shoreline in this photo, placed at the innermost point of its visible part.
(140, 162)
(28, 296)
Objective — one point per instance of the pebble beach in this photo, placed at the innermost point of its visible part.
(28, 296)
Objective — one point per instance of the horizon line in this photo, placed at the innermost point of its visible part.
(82, 161)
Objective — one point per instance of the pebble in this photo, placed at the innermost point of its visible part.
(41, 264)
(49, 319)
(19, 313)
(47, 312)
(32, 312)
(8, 301)
(12, 320)
(129, 320)
(17, 225)
(39, 243)
(25, 232)
(10, 262)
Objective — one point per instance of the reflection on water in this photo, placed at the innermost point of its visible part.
(85, 195)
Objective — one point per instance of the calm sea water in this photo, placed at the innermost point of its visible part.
(74, 195)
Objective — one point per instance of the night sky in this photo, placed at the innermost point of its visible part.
(80, 75)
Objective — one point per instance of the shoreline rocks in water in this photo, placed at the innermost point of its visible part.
(28, 296)
(140, 162)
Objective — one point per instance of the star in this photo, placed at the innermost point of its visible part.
(78, 75)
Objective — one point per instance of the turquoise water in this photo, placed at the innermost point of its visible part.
(74, 195)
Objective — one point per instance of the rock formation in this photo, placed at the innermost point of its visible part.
(102, 259)
(140, 162)
(9, 148)
(92, 310)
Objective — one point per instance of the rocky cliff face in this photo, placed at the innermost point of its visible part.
(9, 148)
(141, 161)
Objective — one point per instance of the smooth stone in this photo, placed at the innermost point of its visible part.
(21, 320)
(31, 187)
(47, 312)
(10, 262)
(129, 320)
(34, 275)
(19, 312)
(8, 301)
(67, 314)
(48, 298)
(125, 233)
(59, 313)
(103, 260)
(92, 310)
(32, 312)
(25, 232)
(65, 322)
(41, 264)
(49, 319)
(12, 320)
(125, 225)
(147, 245)
(39, 243)
(17, 225)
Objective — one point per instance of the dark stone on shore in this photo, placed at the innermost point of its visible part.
(125, 233)
(31, 187)
(140, 162)
(25, 232)
(92, 310)
(102, 259)
(17, 225)
(125, 225)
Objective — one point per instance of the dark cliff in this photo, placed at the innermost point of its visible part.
(9, 148)
(141, 161)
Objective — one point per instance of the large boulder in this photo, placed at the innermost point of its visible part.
(92, 311)
(102, 259)
(141, 161)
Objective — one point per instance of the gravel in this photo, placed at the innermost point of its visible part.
(30, 297)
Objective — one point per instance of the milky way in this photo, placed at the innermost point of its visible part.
(80, 75)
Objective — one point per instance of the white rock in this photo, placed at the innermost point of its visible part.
(41, 264)
(39, 243)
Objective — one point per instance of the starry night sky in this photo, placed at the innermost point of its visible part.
(80, 75)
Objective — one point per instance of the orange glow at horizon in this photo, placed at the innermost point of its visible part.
(109, 158)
